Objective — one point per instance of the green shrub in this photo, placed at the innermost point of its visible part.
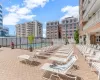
(76, 36)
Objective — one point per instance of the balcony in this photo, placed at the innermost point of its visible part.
(93, 20)
(91, 8)
(85, 4)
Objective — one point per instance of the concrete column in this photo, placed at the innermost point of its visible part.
(87, 39)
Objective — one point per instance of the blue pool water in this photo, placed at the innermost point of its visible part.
(39, 45)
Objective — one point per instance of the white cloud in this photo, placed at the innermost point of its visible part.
(70, 11)
(10, 19)
(35, 3)
(17, 13)
(13, 8)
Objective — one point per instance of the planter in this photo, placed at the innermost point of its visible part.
(30, 49)
(12, 47)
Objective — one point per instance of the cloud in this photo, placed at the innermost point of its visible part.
(70, 11)
(35, 3)
(16, 13)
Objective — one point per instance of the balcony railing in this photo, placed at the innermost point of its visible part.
(85, 4)
(94, 20)
(88, 7)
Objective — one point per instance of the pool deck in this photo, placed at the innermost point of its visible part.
(12, 69)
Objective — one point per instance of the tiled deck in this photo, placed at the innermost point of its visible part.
(12, 69)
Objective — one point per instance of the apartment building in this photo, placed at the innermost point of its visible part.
(29, 28)
(52, 30)
(69, 26)
(1, 18)
(89, 11)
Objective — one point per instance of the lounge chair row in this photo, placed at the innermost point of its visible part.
(62, 60)
(40, 52)
(92, 56)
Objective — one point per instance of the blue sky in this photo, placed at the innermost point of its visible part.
(20, 11)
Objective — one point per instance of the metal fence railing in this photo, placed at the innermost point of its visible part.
(23, 43)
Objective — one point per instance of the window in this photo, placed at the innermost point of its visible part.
(71, 20)
(51, 23)
(56, 23)
(70, 31)
(70, 24)
(74, 20)
(74, 27)
(97, 38)
(75, 24)
(66, 21)
(70, 34)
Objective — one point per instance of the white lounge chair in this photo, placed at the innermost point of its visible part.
(96, 65)
(60, 69)
(91, 54)
(63, 54)
(60, 59)
(28, 57)
(96, 57)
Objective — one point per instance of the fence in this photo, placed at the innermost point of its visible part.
(23, 43)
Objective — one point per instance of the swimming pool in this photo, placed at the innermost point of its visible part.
(37, 45)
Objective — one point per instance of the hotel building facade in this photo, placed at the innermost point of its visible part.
(52, 30)
(29, 28)
(89, 11)
(69, 26)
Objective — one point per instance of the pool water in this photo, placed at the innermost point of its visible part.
(39, 45)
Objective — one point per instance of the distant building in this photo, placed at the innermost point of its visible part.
(52, 30)
(1, 18)
(33, 28)
(69, 26)
(4, 31)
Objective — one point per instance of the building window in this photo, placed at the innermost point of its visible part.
(51, 23)
(74, 20)
(71, 20)
(70, 34)
(70, 24)
(66, 21)
(75, 24)
(70, 31)
(56, 23)
(97, 38)
(74, 27)
(47, 23)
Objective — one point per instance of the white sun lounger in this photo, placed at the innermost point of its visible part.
(96, 65)
(63, 54)
(96, 57)
(27, 57)
(64, 51)
(60, 59)
(60, 69)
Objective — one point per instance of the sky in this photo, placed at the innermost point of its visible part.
(20, 11)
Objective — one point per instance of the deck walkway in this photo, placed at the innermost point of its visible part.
(12, 69)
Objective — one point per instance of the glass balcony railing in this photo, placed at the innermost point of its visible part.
(88, 7)
(93, 20)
